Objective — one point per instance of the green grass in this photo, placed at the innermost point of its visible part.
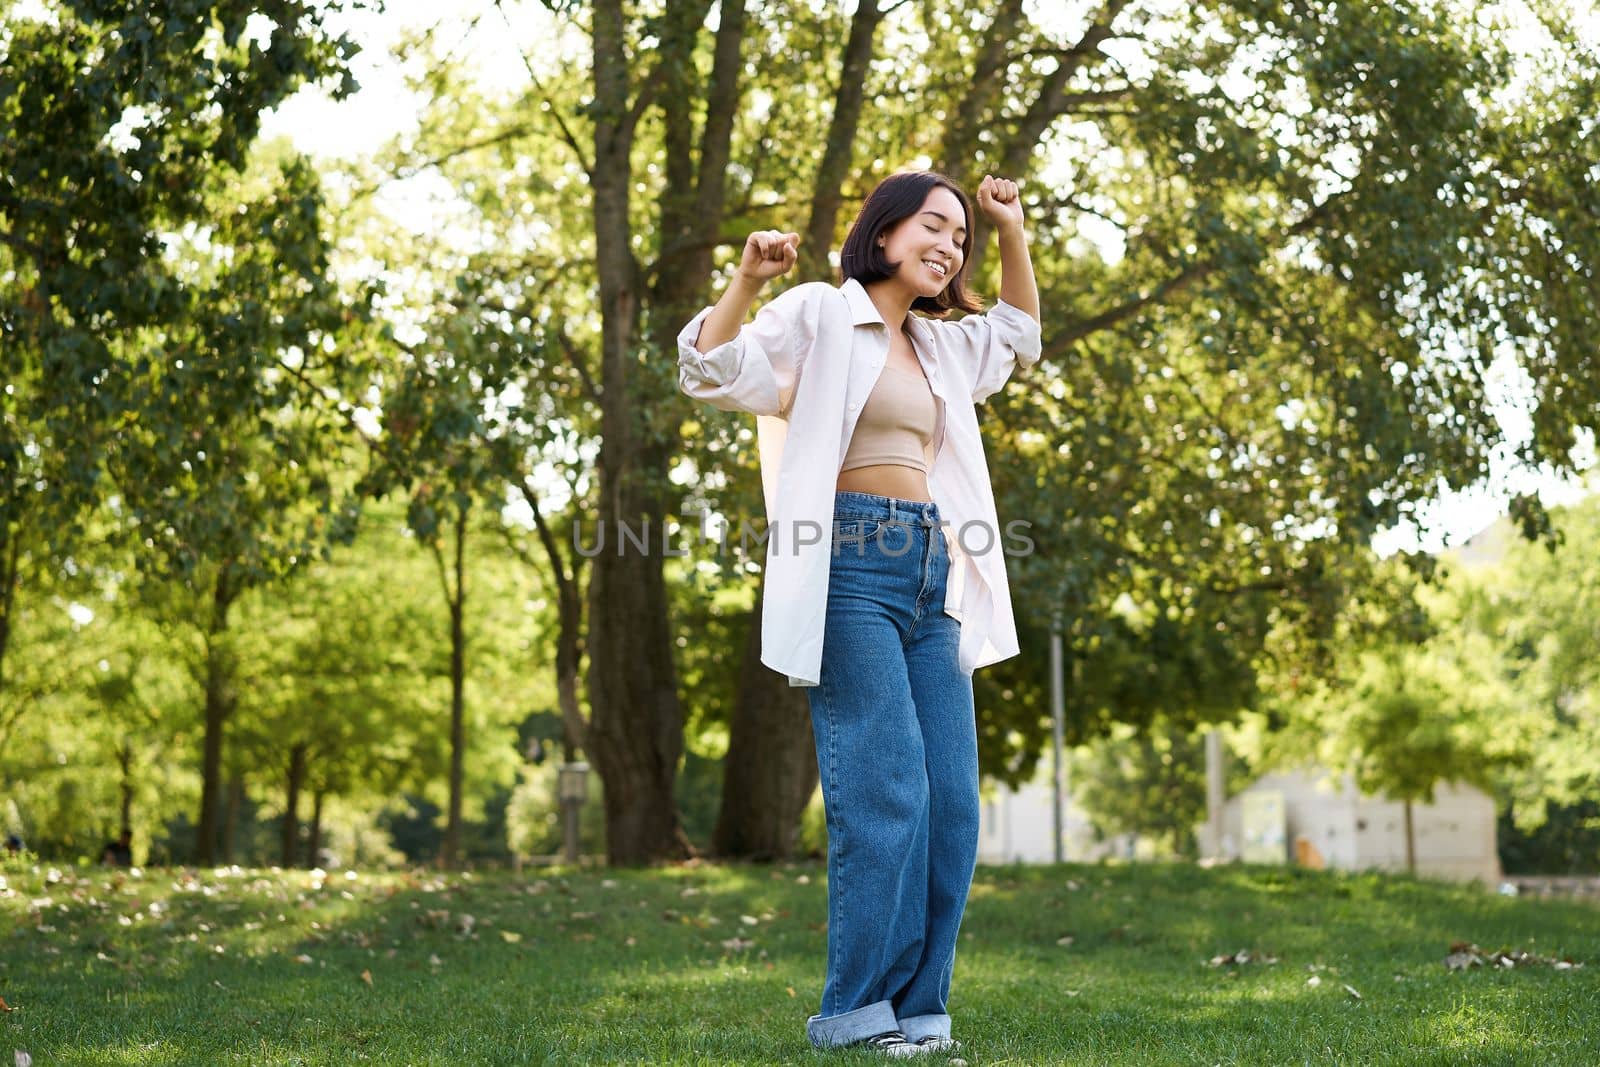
(580, 967)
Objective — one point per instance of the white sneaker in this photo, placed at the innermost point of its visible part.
(894, 1045)
(935, 1043)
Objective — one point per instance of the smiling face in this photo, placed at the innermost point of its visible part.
(913, 235)
(927, 245)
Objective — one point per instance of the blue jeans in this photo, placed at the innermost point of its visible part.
(897, 749)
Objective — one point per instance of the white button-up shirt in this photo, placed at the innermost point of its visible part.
(804, 367)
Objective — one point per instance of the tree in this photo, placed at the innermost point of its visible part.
(102, 749)
(115, 124)
(1537, 608)
(1401, 712)
(442, 448)
(236, 410)
(1149, 782)
(1281, 211)
(338, 681)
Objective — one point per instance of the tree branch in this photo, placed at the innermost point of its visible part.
(591, 388)
(722, 104)
(960, 141)
(1053, 100)
(555, 111)
(508, 134)
(1178, 283)
(827, 191)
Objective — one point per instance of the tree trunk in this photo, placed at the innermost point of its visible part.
(125, 785)
(230, 822)
(636, 724)
(636, 721)
(219, 704)
(1411, 840)
(771, 769)
(314, 838)
(839, 152)
(291, 805)
(10, 552)
(573, 728)
(450, 855)
(569, 627)
(961, 141)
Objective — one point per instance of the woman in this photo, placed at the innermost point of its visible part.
(866, 416)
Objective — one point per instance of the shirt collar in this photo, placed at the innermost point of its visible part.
(864, 312)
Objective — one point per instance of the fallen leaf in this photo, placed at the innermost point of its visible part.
(790, 990)
(23, 1059)
(1352, 991)
(510, 937)
(366, 976)
(1065, 941)
(1314, 981)
(1241, 957)
(302, 958)
(6, 1007)
(1465, 954)
(737, 944)
(749, 920)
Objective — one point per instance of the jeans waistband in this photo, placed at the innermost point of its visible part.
(855, 505)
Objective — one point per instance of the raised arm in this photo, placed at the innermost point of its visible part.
(767, 255)
(739, 366)
(990, 346)
(1000, 204)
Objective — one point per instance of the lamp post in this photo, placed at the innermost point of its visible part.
(573, 789)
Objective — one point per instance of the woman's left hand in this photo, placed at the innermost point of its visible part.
(999, 202)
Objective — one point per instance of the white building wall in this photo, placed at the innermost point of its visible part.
(1455, 834)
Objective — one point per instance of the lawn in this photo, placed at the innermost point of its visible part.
(722, 964)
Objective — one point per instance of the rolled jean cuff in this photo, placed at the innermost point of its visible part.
(852, 1026)
(920, 1026)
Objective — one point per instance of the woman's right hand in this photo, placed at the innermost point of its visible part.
(768, 254)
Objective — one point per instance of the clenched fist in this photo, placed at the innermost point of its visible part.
(999, 202)
(768, 254)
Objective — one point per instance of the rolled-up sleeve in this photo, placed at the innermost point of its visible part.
(991, 345)
(753, 372)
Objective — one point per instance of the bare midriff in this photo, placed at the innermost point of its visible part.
(886, 479)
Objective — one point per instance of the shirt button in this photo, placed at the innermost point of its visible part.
(854, 406)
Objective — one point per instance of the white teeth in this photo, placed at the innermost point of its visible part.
(940, 267)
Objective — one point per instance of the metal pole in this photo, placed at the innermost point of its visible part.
(1058, 714)
(573, 788)
(569, 831)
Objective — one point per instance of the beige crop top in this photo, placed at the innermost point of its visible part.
(896, 423)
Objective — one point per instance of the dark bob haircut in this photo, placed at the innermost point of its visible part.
(897, 198)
